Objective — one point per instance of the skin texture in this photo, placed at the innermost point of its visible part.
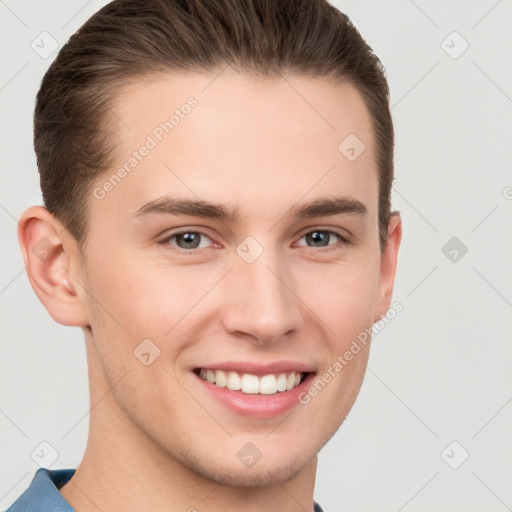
(157, 440)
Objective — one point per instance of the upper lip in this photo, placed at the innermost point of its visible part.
(259, 368)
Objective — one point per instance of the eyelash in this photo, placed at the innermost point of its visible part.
(167, 239)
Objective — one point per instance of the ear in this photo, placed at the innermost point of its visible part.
(53, 264)
(388, 262)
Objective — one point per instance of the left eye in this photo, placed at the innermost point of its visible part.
(188, 239)
(321, 237)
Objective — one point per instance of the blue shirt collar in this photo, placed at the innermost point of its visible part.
(43, 492)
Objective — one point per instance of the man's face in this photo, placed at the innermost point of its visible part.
(261, 294)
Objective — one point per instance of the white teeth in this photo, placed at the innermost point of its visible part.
(281, 382)
(252, 384)
(268, 385)
(234, 381)
(290, 381)
(221, 379)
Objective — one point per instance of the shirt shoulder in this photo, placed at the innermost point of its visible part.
(43, 494)
(317, 507)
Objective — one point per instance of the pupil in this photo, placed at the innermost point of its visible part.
(318, 238)
(191, 240)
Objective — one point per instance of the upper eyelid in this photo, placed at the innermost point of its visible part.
(183, 231)
(343, 233)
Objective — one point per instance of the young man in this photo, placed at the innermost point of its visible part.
(216, 178)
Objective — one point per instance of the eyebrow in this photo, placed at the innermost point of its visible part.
(199, 208)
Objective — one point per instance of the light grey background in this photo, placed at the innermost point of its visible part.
(439, 372)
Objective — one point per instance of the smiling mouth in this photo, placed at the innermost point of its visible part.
(248, 383)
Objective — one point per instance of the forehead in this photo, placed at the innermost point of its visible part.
(230, 137)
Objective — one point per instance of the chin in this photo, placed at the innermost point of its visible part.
(237, 475)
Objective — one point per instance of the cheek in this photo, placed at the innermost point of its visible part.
(136, 298)
(343, 297)
(130, 306)
(347, 308)
(133, 301)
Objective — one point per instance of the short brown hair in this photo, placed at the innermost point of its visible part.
(133, 38)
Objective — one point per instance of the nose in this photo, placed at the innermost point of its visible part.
(259, 300)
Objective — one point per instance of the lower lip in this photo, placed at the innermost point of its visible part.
(257, 405)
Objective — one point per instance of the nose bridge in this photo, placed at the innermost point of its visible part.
(261, 303)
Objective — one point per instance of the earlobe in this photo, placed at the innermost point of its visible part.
(51, 261)
(388, 263)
